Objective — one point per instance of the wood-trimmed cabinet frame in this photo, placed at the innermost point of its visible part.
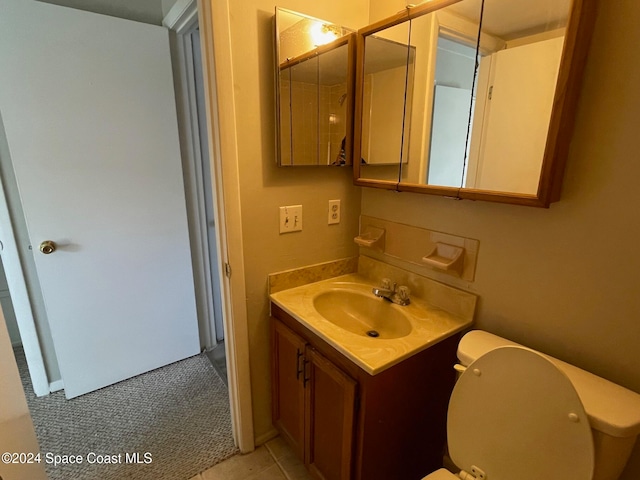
(577, 41)
(348, 40)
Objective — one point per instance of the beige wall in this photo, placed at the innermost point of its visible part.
(13, 400)
(563, 280)
(16, 429)
(264, 187)
(560, 280)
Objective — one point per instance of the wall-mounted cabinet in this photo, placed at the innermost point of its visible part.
(347, 424)
(481, 98)
(314, 97)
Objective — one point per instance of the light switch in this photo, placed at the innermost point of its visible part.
(291, 219)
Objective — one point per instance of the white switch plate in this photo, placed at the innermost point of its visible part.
(334, 212)
(291, 218)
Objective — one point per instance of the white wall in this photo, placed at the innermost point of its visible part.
(146, 11)
(166, 6)
(564, 280)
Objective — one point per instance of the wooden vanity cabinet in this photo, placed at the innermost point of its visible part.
(347, 424)
(314, 405)
(288, 409)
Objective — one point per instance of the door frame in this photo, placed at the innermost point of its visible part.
(213, 21)
(182, 20)
(9, 249)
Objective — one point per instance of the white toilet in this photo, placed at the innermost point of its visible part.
(516, 414)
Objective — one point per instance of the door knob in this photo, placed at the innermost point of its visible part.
(47, 247)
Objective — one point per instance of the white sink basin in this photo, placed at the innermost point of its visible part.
(362, 314)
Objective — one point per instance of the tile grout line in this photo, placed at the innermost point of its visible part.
(275, 459)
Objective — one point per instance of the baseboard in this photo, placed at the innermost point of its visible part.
(265, 437)
(55, 386)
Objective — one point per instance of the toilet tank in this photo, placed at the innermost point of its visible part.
(613, 411)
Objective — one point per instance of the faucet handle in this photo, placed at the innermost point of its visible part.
(404, 292)
(387, 284)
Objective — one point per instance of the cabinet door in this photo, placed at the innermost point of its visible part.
(330, 401)
(287, 386)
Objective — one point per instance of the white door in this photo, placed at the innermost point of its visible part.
(449, 136)
(89, 113)
(517, 114)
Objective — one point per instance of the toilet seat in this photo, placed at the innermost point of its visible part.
(515, 416)
(442, 474)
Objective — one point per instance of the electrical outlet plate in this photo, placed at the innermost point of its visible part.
(334, 212)
(291, 219)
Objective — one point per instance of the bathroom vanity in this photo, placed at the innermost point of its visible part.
(353, 406)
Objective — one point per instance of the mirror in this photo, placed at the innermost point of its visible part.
(314, 100)
(444, 100)
(418, 61)
(490, 98)
(387, 90)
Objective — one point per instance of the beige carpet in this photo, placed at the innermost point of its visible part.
(177, 415)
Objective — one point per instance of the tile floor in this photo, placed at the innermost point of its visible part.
(272, 461)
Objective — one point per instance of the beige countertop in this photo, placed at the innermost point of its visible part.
(429, 324)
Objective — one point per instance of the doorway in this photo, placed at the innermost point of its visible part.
(199, 193)
(7, 309)
(453, 105)
(216, 350)
(199, 184)
(216, 334)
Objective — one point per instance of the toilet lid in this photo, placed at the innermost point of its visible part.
(515, 416)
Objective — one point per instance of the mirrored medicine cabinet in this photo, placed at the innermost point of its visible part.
(472, 99)
(314, 90)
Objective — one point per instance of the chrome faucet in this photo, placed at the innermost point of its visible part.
(388, 291)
